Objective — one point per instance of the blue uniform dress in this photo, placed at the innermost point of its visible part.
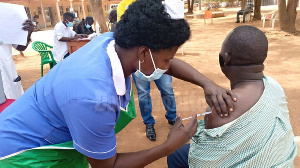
(77, 100)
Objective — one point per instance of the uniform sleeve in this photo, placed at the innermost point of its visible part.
(91, 124)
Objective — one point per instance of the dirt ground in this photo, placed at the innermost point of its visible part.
(201, 51)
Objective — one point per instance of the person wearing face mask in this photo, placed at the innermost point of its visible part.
(142, 83)
(62, 34)
(85, 26)
(79, 100)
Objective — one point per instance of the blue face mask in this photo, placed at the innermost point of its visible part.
(154, 76)
(88, 26)
(69, 24)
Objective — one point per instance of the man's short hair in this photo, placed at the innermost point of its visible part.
(89, 18)
(246, 45)
(68, 14)
(113, 15)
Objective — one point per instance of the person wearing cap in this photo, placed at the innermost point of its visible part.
(248, 8)
(79, 100)
(62, 35)
(11, 80)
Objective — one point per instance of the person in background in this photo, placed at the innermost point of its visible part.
(85, 26)
(248, 8)
(11, 80)
(164, 85)
(112, 19)
(76, 20)
(62, 34)
(259, 132)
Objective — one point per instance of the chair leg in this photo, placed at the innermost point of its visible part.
(212, 21)
(181, 50)
(42, 70)
(263, 23)
(273, 23)
(204, 22)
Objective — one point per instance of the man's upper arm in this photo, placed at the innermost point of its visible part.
(58, 33)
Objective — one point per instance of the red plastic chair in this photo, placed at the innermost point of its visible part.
(208, 15)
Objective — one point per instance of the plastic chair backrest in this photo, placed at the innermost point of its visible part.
(208, 14)
(42, 48)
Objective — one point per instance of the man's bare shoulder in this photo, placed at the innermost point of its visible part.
(247, 96)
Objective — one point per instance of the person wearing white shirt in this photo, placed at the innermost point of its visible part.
(11, 80)
(63, 33)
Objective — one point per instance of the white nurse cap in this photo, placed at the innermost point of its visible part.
(175, 8)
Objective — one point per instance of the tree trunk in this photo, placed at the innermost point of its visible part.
(190, 6)
(98, 14)
(287, 15)
(243, 4)
(199, 4)
(257, 13)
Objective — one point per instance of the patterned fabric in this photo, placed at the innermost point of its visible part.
(261, 137)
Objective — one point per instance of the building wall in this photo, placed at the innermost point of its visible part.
(33, 7)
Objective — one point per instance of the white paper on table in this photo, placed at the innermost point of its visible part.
(12, 18)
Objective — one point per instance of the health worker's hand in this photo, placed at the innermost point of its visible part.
(179, 136)
(219, 98)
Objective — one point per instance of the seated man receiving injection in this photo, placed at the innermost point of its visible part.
(258, 133)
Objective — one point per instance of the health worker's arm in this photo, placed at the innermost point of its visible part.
(219, 98)
(177, 137)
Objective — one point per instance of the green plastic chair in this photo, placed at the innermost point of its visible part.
(46, 54)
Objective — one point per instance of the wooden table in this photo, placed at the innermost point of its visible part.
(76, 44)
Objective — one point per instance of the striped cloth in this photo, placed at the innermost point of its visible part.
(261, 137)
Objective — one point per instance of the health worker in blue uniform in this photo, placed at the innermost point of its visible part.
(79, 99)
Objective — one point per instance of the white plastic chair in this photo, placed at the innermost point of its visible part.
(249, 16)
(273, 21)
(297, 141)
(268, 16)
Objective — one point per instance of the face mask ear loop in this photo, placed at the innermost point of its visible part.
(152, 59)
(140, 65)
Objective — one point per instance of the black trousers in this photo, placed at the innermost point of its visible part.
(66, 55)
(179, 159)
(241, 12)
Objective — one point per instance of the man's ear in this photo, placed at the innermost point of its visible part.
(227, 58)
(142, 53)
